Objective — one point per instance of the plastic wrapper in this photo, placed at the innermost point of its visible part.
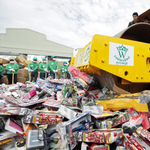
(28, 96)
(15, 111)
(67, 112)
(97, 109)
(18, 102)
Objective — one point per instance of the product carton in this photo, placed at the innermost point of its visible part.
(22, 73)
(20, 58)
(3, 61)
(21, 80)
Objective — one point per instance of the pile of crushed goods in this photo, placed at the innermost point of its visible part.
(74, 113)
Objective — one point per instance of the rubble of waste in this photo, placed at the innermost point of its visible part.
(67, 114)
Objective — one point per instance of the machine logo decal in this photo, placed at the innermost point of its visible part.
(122, 50)
(120, 54)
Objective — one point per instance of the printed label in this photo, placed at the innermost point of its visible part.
(120, 54)
(87, 54)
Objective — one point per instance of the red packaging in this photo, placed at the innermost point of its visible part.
(132, 143)
(144, 134)
(99, 147)
(77, 73)
(107, 136)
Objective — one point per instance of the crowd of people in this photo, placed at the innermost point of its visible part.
(50, 68)
(135, 19)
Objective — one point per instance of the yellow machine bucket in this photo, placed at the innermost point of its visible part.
(122, 65)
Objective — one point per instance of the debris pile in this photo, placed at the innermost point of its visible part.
(74, 113)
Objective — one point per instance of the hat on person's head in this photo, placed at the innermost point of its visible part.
(35, 58)
(65, 62)
(11, 59)
(44, 59)
(52, 56)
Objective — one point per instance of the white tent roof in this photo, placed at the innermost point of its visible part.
(26, 41)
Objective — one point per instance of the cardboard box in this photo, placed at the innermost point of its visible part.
(22, 73)
(4, 65)
(26, 63)
(3, 61)
(21, 80)
(13, 58)
(4, 80)
(20, 58)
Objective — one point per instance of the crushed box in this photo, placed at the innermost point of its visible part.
(20, 58)
(3, 61)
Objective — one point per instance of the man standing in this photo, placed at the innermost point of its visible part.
(1, 70)
(33, 68)
(53, 65)
(135, 19)
(64, 70)
(43, 69)
(12, 69)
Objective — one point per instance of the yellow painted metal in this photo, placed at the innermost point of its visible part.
(136, 70)
(124, 101)
(72, 60)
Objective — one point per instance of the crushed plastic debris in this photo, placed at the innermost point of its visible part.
(74, 113)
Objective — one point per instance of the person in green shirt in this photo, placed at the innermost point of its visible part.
(11, 68)
(1, 70)
(64, 70)
(44, 67)
(53, 66)
(33, 68)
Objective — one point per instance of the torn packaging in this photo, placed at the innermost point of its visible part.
(69, 139)
(67, 112)
(14, 111)
(134, 142)
(13, 127)
(144, 134)
(113, 121)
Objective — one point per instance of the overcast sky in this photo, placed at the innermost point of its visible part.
(70, 22)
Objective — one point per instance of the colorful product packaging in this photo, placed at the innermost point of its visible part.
(102, 136)
(134, 142)
(144, 134)
(69, 138)
(112, 122)
(85, 146)
(43, 118)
